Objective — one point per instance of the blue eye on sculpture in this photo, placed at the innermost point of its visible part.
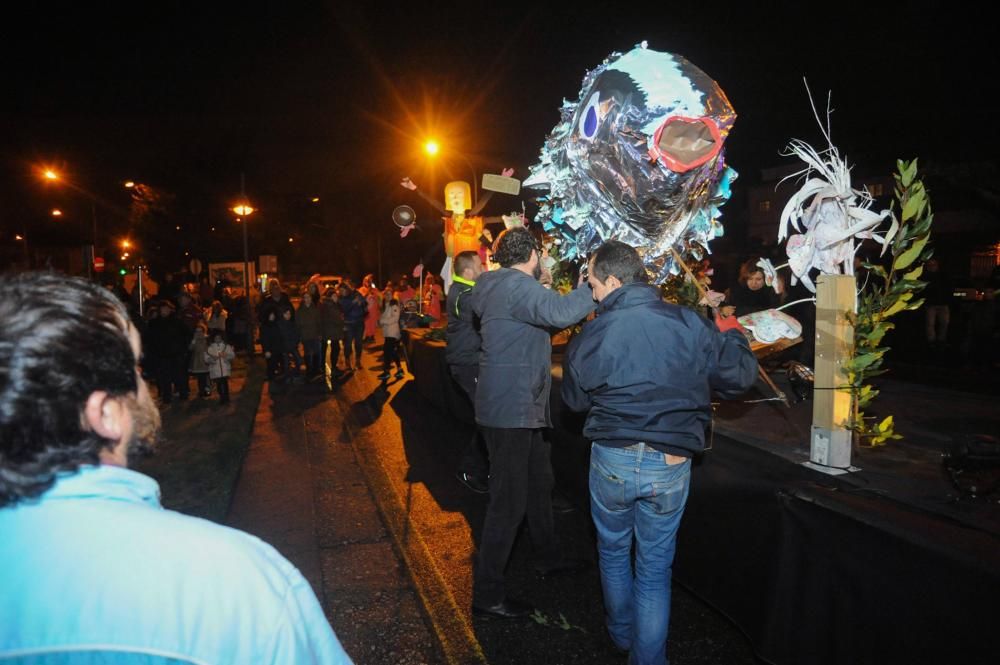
(589, 119)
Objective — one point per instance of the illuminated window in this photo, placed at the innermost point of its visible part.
(763, 206)
(876, 189)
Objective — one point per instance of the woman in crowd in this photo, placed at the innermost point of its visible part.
(751, 294)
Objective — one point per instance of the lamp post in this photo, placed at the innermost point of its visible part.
(244, 210)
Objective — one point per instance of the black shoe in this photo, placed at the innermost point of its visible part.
(472, 482)
(567, 567)
(506, 609)
(561, 504)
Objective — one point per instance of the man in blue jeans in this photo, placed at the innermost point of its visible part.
(355, 308)
(645, 369)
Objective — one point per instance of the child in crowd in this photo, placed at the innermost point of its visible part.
(198, 346)
(389, 320)
(219, 358)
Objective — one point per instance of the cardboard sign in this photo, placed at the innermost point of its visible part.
(498, 183)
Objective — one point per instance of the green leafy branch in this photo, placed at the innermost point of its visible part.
(887, 293)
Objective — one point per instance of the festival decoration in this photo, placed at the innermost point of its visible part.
(831, 217)
(638, 158)
(462, 232)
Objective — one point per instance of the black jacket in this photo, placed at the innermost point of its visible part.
(516, 318)
(646, 370)
(463, 328)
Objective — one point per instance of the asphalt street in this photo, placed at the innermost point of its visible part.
(354, 483)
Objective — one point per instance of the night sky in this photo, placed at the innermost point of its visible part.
(332, 100)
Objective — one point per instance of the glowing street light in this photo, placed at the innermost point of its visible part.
(243, 209)
(126, 244)
(56, 212)
(49, 174)
(432, 148)
(129, 184)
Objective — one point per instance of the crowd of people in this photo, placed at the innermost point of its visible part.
(647, 410)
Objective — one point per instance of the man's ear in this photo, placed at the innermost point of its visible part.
(105, 415)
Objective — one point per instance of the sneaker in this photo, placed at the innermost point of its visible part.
(400, 374)
(472, 482)
(383, 376)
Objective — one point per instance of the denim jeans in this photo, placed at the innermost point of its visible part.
(634, 493)
(354, 334)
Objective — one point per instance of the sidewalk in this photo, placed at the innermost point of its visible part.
(301, 490)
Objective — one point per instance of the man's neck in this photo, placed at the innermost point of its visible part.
(525, 268)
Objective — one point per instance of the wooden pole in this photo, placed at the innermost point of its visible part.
(830, 440)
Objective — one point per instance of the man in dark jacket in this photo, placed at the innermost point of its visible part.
(462, 354)
(169, 339)
(517, 315)
(271, 313)
(355, 308)
(645, 369)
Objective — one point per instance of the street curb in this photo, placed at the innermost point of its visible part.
(452, 630)
(247, 403)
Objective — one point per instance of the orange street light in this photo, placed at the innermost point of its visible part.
(49, 174)
(243, 209)
(315, 199)
(126, 244)
(56, 212)
(129, 184)
(432, 147)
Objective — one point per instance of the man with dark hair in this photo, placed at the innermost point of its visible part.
(517, 316)
(92, 568)
(645, 369)
(271, 313)
(462, 354)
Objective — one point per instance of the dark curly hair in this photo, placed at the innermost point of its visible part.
(62, 338)
(514, 246)
(616, 258)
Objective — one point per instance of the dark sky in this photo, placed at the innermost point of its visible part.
(333, 99)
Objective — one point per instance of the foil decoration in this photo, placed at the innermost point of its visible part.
(638, 158)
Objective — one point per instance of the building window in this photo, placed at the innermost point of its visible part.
(876, 190)
(763, 206)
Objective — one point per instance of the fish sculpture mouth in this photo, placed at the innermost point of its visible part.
(686, 143)
(640, 158)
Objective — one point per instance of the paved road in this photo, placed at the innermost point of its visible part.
(355, 486)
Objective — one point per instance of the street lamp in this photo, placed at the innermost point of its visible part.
(244, 210)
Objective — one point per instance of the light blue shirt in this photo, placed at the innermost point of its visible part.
(97, 571)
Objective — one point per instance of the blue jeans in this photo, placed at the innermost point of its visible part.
(635, 493)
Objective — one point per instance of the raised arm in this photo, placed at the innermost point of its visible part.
(537, 305)
(412, 186)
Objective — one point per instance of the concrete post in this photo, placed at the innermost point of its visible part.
(830, 440)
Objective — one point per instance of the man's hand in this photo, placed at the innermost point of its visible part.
(409, 184)
(508, 172)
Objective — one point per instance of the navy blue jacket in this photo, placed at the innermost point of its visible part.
(646, 369)
(355, 308)
(517, 316)
(463, 328)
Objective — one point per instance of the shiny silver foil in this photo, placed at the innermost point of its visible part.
(599, 167)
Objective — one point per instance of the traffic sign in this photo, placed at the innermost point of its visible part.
(99, 263)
